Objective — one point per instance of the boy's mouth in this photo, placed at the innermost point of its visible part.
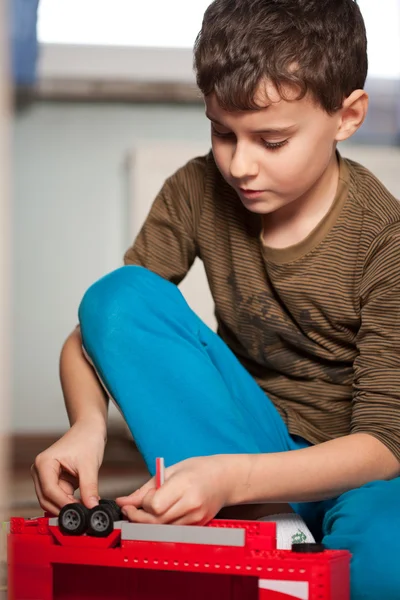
(250, 193)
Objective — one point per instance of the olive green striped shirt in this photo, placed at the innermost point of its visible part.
(316, 324)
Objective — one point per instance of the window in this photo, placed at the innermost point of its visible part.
(121, 22)
(175, 24)
(383, 30)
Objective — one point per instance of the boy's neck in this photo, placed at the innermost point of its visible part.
(291, 224)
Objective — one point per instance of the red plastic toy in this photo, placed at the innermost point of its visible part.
(225, 560)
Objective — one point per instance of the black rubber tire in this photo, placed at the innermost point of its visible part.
(112, 504)
(73, 519)
(310, 548)
(101, 521)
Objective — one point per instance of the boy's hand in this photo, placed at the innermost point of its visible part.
(72, 462)
(194, 491)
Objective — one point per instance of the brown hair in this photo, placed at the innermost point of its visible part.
(317, 46)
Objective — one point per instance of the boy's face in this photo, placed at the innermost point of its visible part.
(276, 155)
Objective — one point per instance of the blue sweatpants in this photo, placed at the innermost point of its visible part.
(183, 393)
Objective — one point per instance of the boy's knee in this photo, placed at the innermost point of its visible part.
(126, 298)
(124, 291)
(107, 295)
(366, 521)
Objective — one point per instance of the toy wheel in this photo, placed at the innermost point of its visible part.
(73, 519)
(114, 506)
(101, 521)
(312, 548)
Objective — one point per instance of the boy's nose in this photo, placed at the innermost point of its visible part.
(242, 166)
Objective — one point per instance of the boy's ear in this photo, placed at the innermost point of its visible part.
(353, 113)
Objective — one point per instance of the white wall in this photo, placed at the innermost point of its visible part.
(73, 186)
(70, 227)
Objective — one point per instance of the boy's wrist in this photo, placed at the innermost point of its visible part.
(95, 425)
(240, 478)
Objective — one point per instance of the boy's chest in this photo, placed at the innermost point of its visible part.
(308, 309)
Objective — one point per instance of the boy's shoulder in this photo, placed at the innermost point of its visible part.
(195, 169)
(371, 196)
(199, 183)
(201, 171)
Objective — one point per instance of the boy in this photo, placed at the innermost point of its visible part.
(296, 400)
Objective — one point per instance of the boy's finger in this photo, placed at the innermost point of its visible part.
(181, 513)
(139, 516)
(47, 505)
(159, 502)
(48, 482)
(148, 503)
(67, 487)
(131, 500)
(43, 503)
(136, 498)
(88, 486)
(177, 515)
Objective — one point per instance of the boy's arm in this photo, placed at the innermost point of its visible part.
(167, 244)
(85, 399)
(74, 460)
(376, 398)
(372, 451)
(311, 474)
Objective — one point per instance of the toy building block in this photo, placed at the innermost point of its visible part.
(224, 560)
(183, 534)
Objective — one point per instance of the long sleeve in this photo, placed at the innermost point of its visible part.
(166, 244)
(376, 403)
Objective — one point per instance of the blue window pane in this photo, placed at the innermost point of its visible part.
(23, 37)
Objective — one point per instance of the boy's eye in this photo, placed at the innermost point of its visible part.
(268, 145)
(274, 145)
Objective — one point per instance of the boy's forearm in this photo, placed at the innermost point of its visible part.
(316, 473)
(85, 399)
